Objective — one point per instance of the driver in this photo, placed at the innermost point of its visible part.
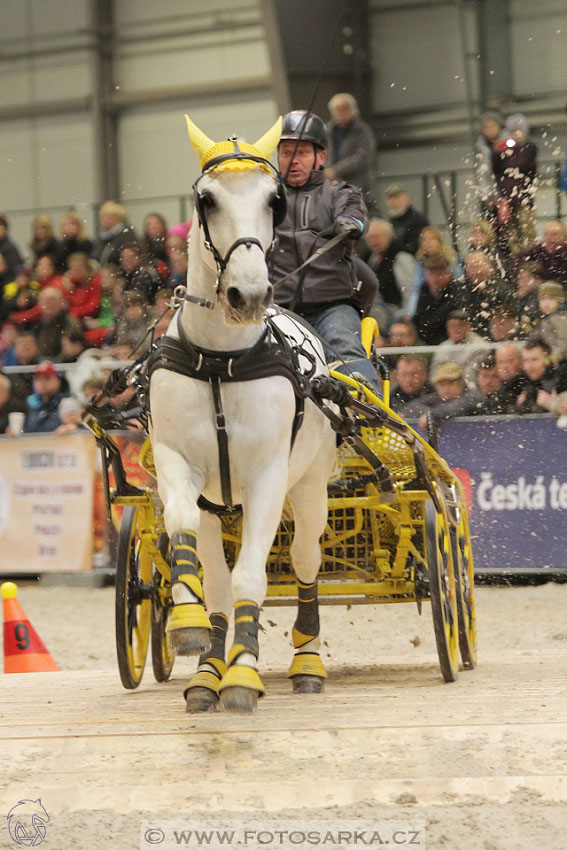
(317, 209)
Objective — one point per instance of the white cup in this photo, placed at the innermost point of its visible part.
(16, 422)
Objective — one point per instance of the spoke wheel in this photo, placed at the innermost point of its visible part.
(133, 599)
(162, 658)
(442, 590)
(464, 581)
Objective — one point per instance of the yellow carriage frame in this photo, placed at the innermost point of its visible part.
(411, 544)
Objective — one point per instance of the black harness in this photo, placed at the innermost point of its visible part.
(273, 354)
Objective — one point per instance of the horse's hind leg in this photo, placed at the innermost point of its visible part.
(308, 499)
(201, 693)
(188, 625)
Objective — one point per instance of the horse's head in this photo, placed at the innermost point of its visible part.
(238, 203)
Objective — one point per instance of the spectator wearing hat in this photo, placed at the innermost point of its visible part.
(406, 221)
(490, 128)
(412, 382)
(352, 147)
(439, 297)
(550, 255)
(459, 333)
(43, 405)
(9, 250)
(514, 161)
(552, 327)
(451, 397)
(539, 373)
(70, 411)
(488, 383)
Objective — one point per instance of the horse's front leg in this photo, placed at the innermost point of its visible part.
(179, 485)
(262, 504)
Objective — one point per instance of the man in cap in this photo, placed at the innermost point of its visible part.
(451, 397)
(553, 324)
(439, 297)
(43, 405)
(324, 292)
(459, 333)
(406, 221)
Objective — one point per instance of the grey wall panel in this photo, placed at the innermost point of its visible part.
(539, 46)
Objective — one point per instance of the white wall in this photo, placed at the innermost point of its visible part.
(48, 162)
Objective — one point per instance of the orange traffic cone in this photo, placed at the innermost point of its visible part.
(24, 651)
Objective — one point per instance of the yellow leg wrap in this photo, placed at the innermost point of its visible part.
(187, 615)
(242, 676)
(299, 639)
(203, 679)
(193, 583)
(307, 664)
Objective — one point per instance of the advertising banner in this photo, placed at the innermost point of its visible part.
(514, 472)
(46, 503)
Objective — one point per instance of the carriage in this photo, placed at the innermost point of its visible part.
(393, 515)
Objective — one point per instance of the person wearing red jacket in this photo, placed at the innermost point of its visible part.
(85, 286)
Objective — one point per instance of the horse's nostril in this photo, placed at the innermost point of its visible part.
(268, 297)
(235, 299)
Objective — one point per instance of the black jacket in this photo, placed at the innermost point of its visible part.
(407, 229)
(311, 209)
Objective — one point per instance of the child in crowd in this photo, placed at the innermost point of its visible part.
(552, 326)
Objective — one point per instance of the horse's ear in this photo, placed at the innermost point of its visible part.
(201, 143)
(269, 141)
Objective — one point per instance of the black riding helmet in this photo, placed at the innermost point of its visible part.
(305, 126)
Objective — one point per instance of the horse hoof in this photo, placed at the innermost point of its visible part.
(239, 700)
(307, 684)
(189, 641)
(201, 699)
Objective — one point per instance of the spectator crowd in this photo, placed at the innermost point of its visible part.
(74, 298)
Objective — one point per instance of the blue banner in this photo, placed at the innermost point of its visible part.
(514, 472)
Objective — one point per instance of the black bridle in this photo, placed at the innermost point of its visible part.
(278, 210)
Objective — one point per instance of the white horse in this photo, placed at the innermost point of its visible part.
(228, 292)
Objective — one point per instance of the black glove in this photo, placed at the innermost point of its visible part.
(349, 224)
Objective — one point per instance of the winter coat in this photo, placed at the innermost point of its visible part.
(466, 405)
(12, 256)
(554, 378)
(310, 209)
(515, 172)
(352, 154)
(432, 311)
(43, 416)
(107, 248)
(407, 229)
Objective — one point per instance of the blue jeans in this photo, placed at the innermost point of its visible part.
(339, 327)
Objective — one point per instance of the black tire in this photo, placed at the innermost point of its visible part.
(464, 581)
(132, 600)
(162, 658)
(442, 590)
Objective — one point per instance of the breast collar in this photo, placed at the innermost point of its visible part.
(273, 354)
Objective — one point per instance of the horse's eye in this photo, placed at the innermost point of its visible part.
(208, 201)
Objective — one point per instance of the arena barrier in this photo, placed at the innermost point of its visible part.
(513, 469)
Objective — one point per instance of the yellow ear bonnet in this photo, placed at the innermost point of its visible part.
(208, 150)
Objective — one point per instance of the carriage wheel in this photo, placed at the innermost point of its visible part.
(162, 658)
(133, 599)
(464, 581)
(442, 591)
